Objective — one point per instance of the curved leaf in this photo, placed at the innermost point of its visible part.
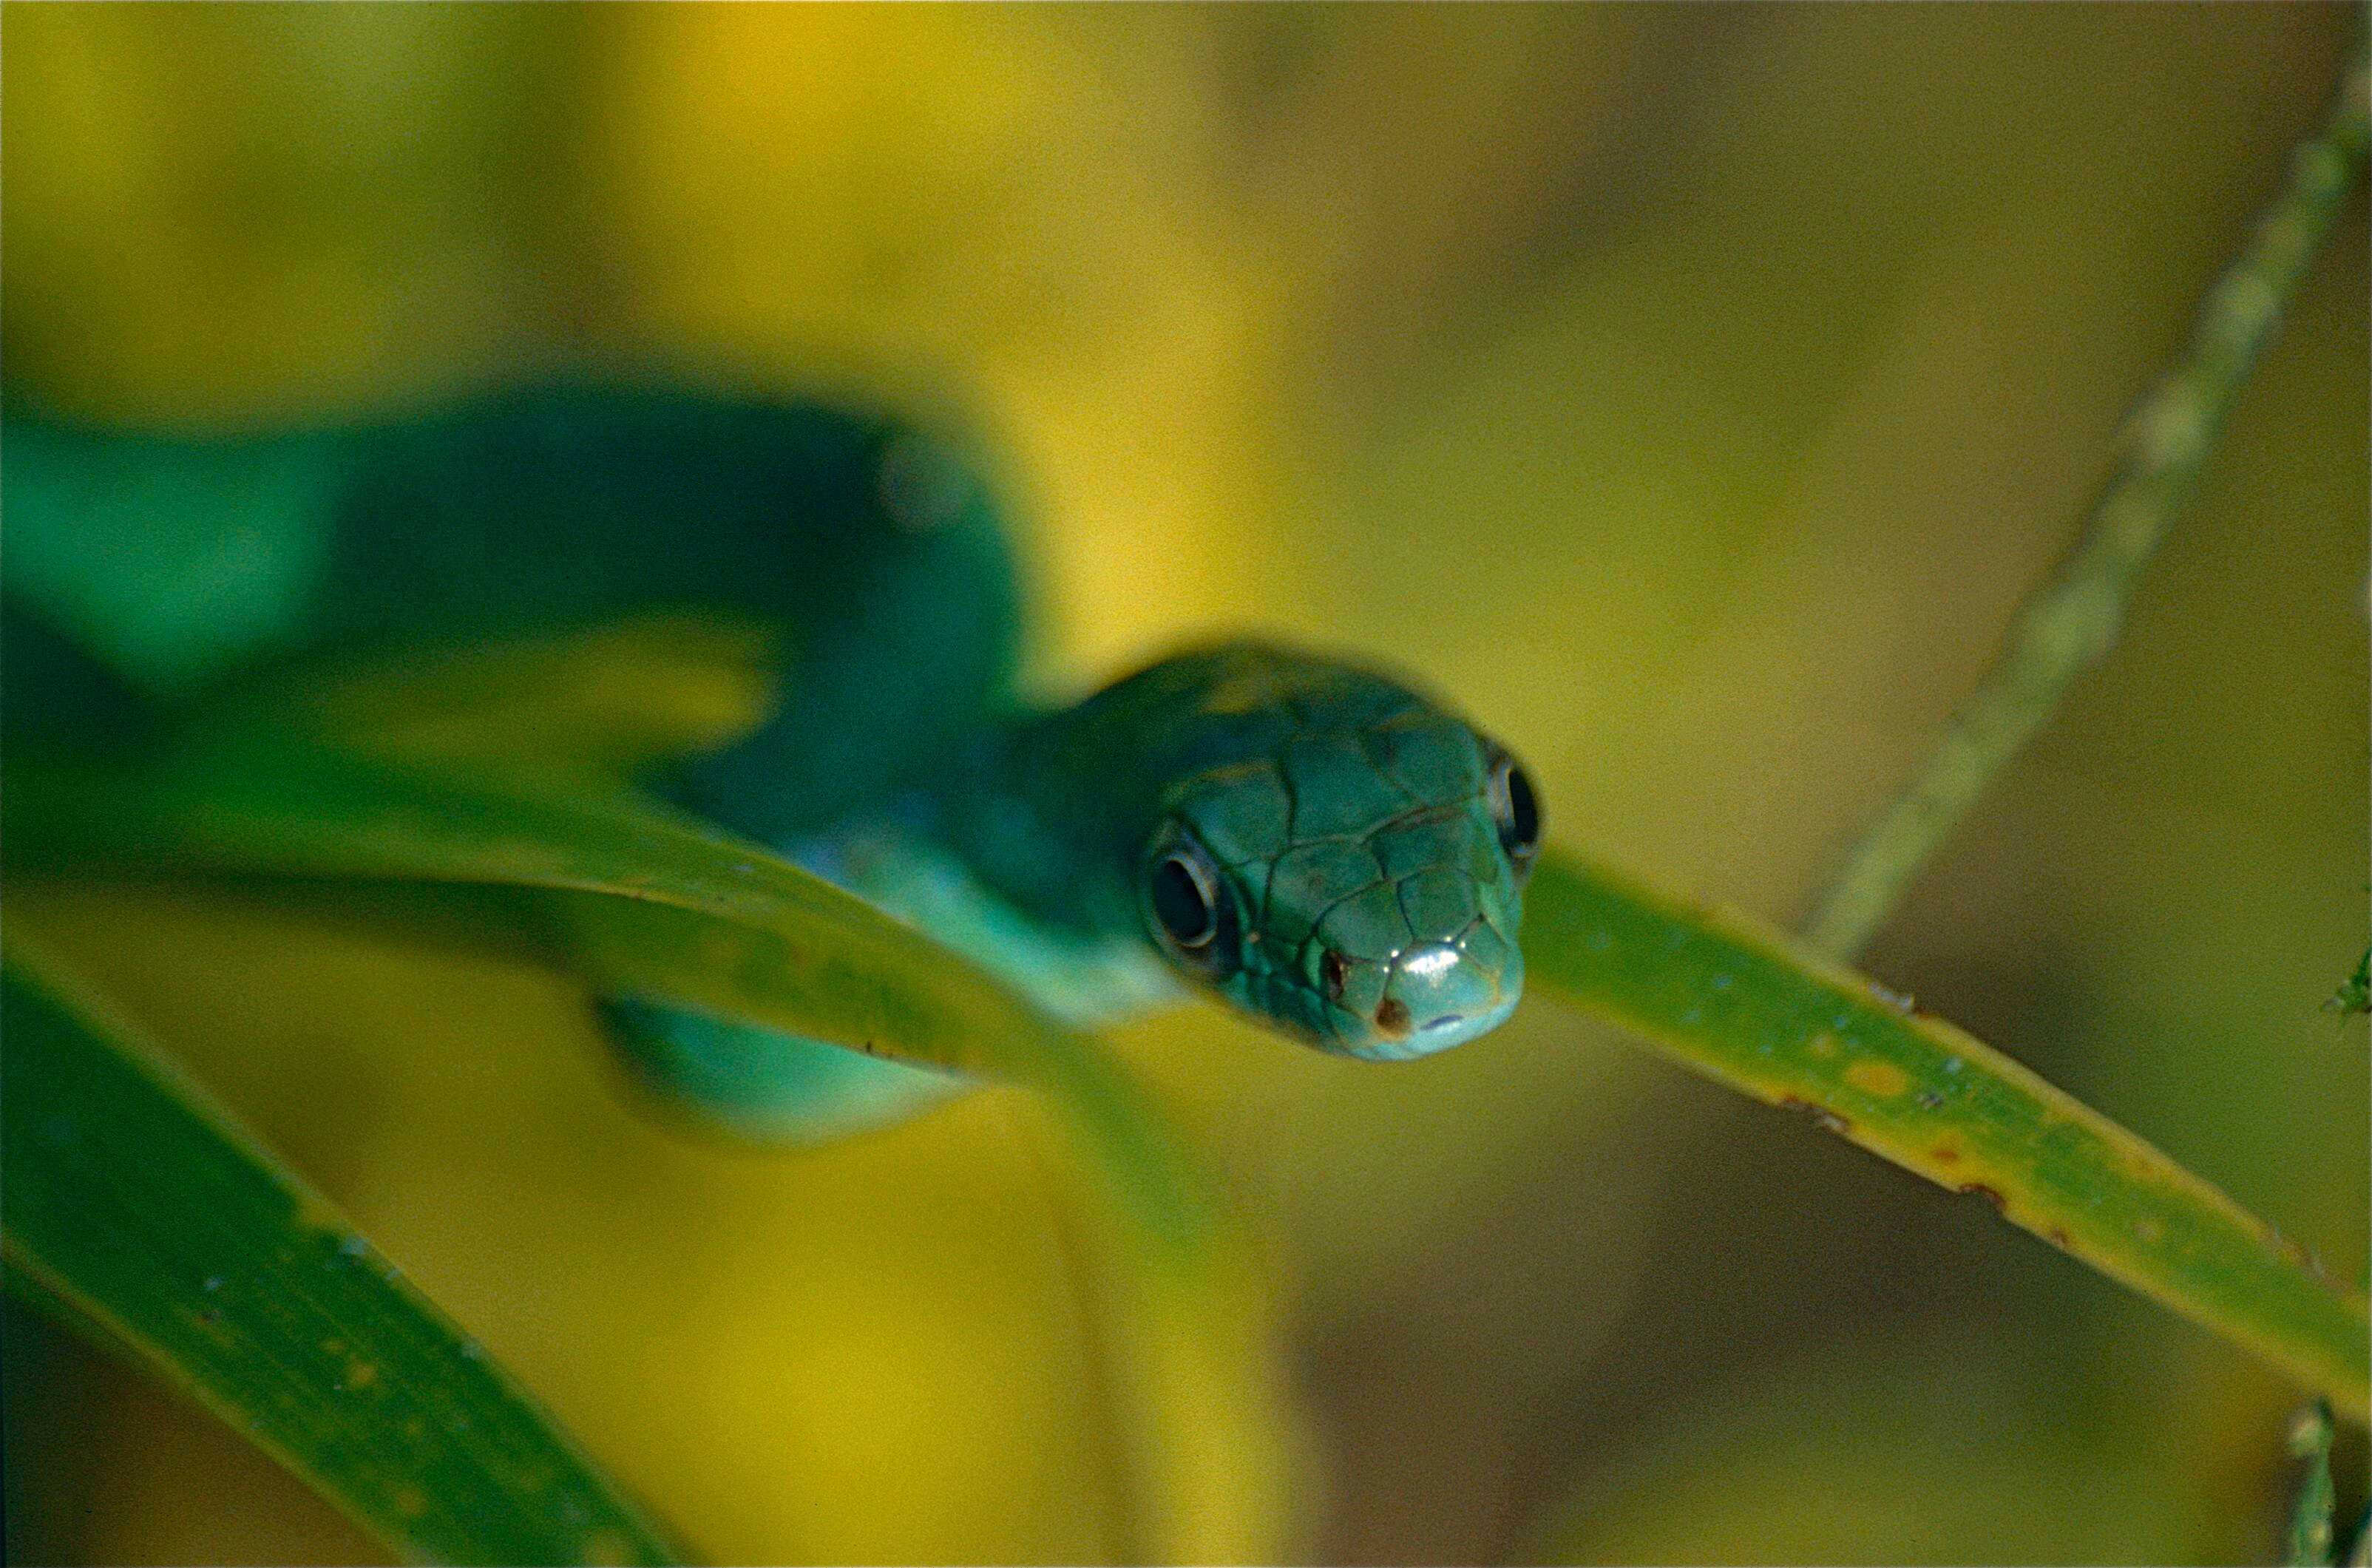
(1750, 1007)
(217, 1266)
(664, 903)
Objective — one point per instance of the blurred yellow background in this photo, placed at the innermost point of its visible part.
(1693, 392)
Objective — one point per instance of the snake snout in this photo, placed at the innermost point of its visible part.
(1438, 995)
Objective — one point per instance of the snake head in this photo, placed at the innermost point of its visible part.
(1351, 867)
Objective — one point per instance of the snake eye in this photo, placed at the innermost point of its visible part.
(1191, 910)
(1516, 808)
(1182, 904)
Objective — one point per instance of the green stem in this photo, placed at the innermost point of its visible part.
(2072, 621)
(2309, 1540)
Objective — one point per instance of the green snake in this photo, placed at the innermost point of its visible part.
(1316, 843)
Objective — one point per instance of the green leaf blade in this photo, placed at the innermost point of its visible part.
(655, 900)
(1749, 1007)
(147, 1211)
(659, 904)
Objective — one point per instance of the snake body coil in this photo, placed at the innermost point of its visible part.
(1314, 843)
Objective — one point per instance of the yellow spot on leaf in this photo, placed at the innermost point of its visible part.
(1882, 1079)
(1823, 1046)
(361, 1374)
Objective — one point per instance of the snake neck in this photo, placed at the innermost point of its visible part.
(1038, 810)
(998, 854)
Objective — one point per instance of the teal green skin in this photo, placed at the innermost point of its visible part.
(1343, 858)
(1371, 895)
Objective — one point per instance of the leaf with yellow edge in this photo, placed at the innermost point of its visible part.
(1751, 1008)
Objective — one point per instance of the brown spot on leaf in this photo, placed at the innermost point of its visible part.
(2148, 1231)
(2057, 1238)
(1979, 1190)
(1823, 1116)
(1944, 1153)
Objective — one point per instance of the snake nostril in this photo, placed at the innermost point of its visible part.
(1335, 970)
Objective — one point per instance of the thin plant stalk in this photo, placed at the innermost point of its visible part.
(2072, 621)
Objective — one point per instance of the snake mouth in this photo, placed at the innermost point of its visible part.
(1433, 995)
(1457, 1028)
(1407, 1042)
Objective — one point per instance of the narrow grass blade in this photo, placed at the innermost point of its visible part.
(662, 903)
(139, 1207)
(2310, 1538)
(1756, 1010)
